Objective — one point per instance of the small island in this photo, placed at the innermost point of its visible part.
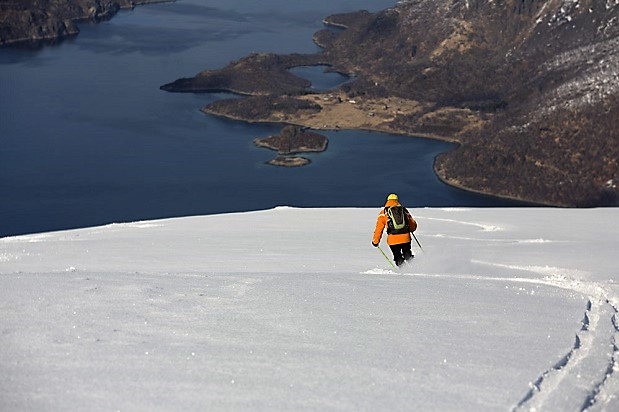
(293, 140)
(289, 161)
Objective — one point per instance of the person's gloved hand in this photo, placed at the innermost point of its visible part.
(374, 244)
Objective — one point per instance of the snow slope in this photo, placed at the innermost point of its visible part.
(293, 309)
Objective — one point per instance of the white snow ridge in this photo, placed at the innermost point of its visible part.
(293, 309)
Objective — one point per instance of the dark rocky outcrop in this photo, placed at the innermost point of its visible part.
(256, 74)
(40, 21)
(259, 107)
(529, 88)
(293, 140)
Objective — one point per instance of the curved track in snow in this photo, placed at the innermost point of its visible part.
(586, 378)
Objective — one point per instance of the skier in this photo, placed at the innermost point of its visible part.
(400, 224)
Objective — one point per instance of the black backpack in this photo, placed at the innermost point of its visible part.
(397, 222)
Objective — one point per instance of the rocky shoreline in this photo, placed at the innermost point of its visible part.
(36, 22)
(528, 89)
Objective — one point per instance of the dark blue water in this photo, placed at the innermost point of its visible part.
(322, 79)
(87, 137)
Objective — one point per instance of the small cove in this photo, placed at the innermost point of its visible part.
(321, 78)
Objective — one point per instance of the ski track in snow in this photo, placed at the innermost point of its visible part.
(516, 241)
(584, 378)
(483, 227)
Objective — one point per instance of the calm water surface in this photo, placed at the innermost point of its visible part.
(87, 137)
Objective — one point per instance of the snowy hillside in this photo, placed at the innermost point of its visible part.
(293, 309)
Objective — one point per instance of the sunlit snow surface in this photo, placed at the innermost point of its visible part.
(293, 309)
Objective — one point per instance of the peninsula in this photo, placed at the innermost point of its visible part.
(529, 89)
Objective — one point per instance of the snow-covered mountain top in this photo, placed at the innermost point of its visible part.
(293, 309)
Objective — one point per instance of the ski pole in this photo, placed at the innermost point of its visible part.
(419, 244)
(388, 260)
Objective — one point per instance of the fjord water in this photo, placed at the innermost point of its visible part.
(88, 138)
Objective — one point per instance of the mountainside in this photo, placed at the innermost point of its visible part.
(542, 75)
(529, 88)
(47, 20)
(553, 65)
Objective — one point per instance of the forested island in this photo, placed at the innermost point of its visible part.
(529, 89)
(293, 140)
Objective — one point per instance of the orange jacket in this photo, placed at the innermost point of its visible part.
(381, 223)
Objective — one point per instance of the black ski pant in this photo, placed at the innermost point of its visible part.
(401, 252)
